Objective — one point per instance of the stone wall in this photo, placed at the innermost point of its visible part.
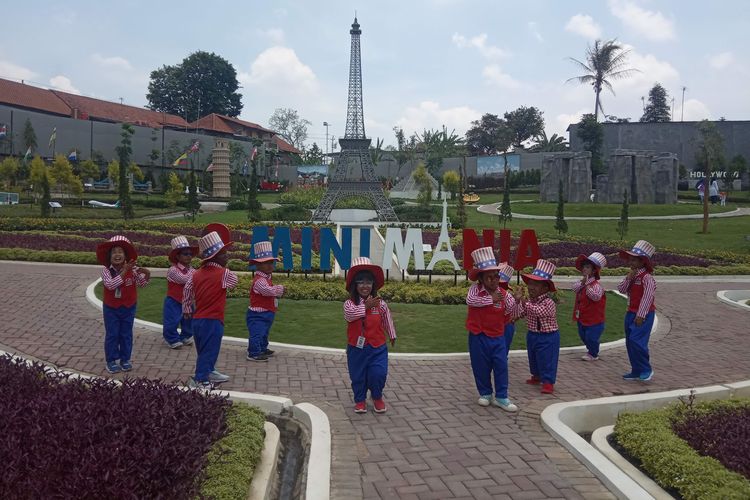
(648, 177)
(574, 169)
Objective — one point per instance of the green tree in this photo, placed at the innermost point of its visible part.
(203, 83)
(489, 135)
(9, 168)
(87, 169)
(505, 215)
(376, 151)
(406, 149)
(461, 205)
(560, 225)
(29, 136)
(312, 155)
(591, 132)
(45, 182)
(737, 167)
(622, 224)
(193, 205)
(549, 145)
(41, 180)
(605, 62)
(174, 191)
(253, 205)
(65, 179)
(451, 181)
(657, 109)
(124, 151)
(422, 179)
(438, 145)
(525, 122)
(287, 123)
(710, 155)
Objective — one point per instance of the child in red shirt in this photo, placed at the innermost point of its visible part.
(591, 303)
(178, 274)
(264, 300)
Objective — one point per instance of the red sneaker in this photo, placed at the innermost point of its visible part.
(360, 407)
(548, 388)
(379, 405)
(534, 380)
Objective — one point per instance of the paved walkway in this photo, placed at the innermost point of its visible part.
(494, 209)
(435, 441)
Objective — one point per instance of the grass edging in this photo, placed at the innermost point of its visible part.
(671, 461)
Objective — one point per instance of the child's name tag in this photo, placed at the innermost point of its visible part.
(360, 342)
(578, 313)
(118, 293)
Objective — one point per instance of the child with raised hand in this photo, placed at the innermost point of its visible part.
(543, 337)
(488, 304)
(369, 323)
(264, 301)
(505, 273)
(640, 286)
(179, 273)
(204, 299)
(591, 303)
(121, 277)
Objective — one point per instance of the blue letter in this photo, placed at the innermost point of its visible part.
(307, 239)
(328, 243)
(364, 241)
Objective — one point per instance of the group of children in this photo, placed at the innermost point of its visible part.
(196, 300)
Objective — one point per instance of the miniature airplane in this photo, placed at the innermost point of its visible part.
(100, 204)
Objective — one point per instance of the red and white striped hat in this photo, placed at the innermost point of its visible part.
(364, 264)
(484, 260)
(642, 249)
(505, 272)
(210, 245)
(543, 271)
(103, 249)
(180, 243)
(262, 252)
(598, 260)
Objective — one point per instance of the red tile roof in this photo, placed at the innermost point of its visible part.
(227, 124)
(30, 97)
(285, 146)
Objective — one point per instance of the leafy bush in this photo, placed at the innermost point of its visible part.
(92, 438)
(416, 213)
(237, 204)
(288, 213)
(670, 461)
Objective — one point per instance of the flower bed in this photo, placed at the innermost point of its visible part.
(92, 438)
(660, 441)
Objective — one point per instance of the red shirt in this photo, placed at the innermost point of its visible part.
(483, 315)
(264, 294)
(374, 324)
(591, 302)
(208, 287)
(177, 276)
(120, 289)
(640, 291)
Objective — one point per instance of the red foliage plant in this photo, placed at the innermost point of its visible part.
(66, 437)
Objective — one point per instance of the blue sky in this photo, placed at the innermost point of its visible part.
(425, 63)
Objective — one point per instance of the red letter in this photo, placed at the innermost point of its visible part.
(471, 243)
(528, 250)
(504, 255)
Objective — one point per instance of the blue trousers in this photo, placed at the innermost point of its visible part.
(258, 328)
(208, 334)
(489, 355)
(172, 318)
(590, 336)
(368, 370)
(508, 333)
(543, 350)
(636, 342)
(118, 333)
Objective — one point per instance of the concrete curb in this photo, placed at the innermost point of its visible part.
(732, 297)
(565, 421)
(599, 441)
(318, 484)
(150, 325)
(261, 486)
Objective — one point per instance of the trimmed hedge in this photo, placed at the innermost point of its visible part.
(670, 461)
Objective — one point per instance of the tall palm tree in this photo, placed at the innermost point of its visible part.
(549, 145)
(605, 61)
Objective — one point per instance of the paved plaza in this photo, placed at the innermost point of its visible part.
(435, 441)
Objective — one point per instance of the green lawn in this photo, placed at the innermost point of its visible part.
(78, 212)
(614, 209)
(420, 327)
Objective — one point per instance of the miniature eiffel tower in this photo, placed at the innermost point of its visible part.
(355, 152)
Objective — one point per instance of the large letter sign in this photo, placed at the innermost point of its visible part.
(527, 252)
(403, 248)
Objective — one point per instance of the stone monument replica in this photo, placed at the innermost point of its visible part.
(220, 170)
(648, 176)
(574, 169)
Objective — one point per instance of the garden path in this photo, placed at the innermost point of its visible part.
(494, 209)
(435, 441)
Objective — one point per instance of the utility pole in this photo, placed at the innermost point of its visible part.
(643, 103)
(682, 111)
(671, 116)
(325, 124)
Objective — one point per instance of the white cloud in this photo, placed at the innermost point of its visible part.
(721, 61)
(15, 72)
(651, 70)
(695, 110)
(479, 42)
(114, 62)
(280, 68)
(63, 83)
(494, 75)
(274, 35)
(564, 119)
(584, 25)
(430, 115)
(650, 24)
(534, 29)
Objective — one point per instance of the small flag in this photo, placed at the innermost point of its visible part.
(53, 137)
(195, 147)
(27, 155)
(181, 159)
(253, 154)
(3, 131)
(210, 168)
(73, 156)
(244, 168)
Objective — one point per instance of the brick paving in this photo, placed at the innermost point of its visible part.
(435, 441)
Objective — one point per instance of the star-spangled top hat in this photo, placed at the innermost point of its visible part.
(364, 264)
(598, 260)
(102, 249)
(505, 273)
(262, 252)
(543, 271)
(642, 249)
(224, 233)
(210, 245)
(180, 243)
(484, 260)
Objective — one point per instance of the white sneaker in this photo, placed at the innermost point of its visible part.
(175, 345)
(485, 400)
(194, 384)
(505, 404)
(216, 377)
(589, 357)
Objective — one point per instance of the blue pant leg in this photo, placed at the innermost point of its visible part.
(582, 333)
(499, 359)
(592, 335)
(639, 337)
(171, 317)
(508, 333)
(629, 324)
(531, 347)
(377, 369)
(270, 316)
(186, 328)
(208, 334)
(127, 318)
(257, 329)
(548, 352)
(481, 365)
(356, 361)
(111, 334)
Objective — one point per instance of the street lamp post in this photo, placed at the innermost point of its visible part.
(326, 124)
